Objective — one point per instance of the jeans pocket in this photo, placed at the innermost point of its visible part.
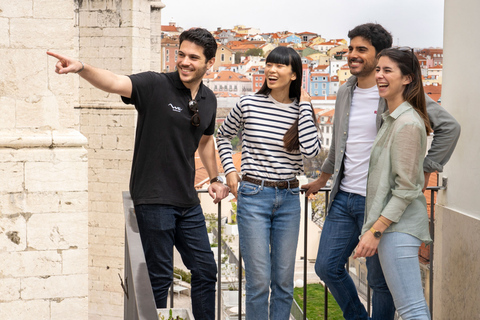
(248, 189)
(295, 191)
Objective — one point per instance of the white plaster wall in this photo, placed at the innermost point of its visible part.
(460, 98)
(457, 240)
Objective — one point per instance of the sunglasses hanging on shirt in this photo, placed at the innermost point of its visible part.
(195, 120)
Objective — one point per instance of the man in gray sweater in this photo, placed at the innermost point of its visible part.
(358, 110)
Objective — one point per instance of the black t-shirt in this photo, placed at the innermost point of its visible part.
(163, 168)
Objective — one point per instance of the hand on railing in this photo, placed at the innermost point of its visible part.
(218, 191)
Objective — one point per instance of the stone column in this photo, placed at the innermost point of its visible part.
(114, 35)
(43, 167)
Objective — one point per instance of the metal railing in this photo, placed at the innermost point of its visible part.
(139, 303)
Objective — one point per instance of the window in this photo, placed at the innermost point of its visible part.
(327, 142)
(324, 85)
(324, 92)
(167, 59)
(167, 52)
(222, 57)
(316, 86)
(328, 129)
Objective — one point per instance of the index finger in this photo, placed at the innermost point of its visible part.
(55, 55)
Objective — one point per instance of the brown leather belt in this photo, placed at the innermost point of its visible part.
(284, 184)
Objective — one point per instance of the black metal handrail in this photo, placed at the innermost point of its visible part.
(140, 304)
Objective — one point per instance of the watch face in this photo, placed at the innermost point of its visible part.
(377, 234)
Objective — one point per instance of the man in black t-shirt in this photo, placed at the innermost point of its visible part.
(176, 117)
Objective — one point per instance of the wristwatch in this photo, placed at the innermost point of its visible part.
(377, 234)
(216, 179)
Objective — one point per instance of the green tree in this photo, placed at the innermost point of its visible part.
(254, 52)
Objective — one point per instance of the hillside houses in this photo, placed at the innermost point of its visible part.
(240, 61)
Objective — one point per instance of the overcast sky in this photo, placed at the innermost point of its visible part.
(415, 23)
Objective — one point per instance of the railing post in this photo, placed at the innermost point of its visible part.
(325, 298)
(219, 262)
(432, 235)
(305, 238)
(240, 276)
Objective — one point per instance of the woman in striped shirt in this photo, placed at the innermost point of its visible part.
(277, 126)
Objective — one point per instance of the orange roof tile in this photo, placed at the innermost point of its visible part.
(231, 76)
(169, 28)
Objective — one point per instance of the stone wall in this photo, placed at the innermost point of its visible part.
(43, 167)
(65, 154)
(43, 225)
(118, 36)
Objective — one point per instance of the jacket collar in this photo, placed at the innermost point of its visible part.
(405, 106)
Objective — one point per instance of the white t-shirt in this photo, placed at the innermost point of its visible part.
(362, 131)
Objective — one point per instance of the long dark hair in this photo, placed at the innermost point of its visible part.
(413, 92)
(289, 57)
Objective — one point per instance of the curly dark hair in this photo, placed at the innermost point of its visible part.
(203, 38)
(375, 33)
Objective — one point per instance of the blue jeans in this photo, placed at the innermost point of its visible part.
(339, 238)
(382, 300)
(398, 254)
(268, 225)
(163, 226)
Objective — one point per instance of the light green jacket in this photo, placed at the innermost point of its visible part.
(395, 174)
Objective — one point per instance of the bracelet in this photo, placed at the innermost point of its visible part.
(83, 67)
(381, 220)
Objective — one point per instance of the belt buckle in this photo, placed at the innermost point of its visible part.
(282, 184)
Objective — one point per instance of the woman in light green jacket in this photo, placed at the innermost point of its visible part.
(396, 219)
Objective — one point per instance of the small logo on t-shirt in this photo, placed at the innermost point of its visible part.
(176, 109)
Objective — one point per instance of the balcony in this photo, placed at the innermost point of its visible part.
(139, 302)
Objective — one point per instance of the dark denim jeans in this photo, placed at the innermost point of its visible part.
(339, 238)
(163, 226)
(382, 300)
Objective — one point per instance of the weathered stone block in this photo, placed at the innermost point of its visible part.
(12, 176)
(20, 8)
(75, 261)
(70, 308)
(25, 310)
(62, 176)
(30, 33)
(9, 290)
(7, 109)
(12, 203)
(50, 8)
(54, 287)
(73, 202)
(57, 231)
(31, 264)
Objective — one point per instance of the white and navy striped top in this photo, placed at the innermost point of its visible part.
(263, 122)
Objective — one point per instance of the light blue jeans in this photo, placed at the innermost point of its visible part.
(398, 254)
(268, 225)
